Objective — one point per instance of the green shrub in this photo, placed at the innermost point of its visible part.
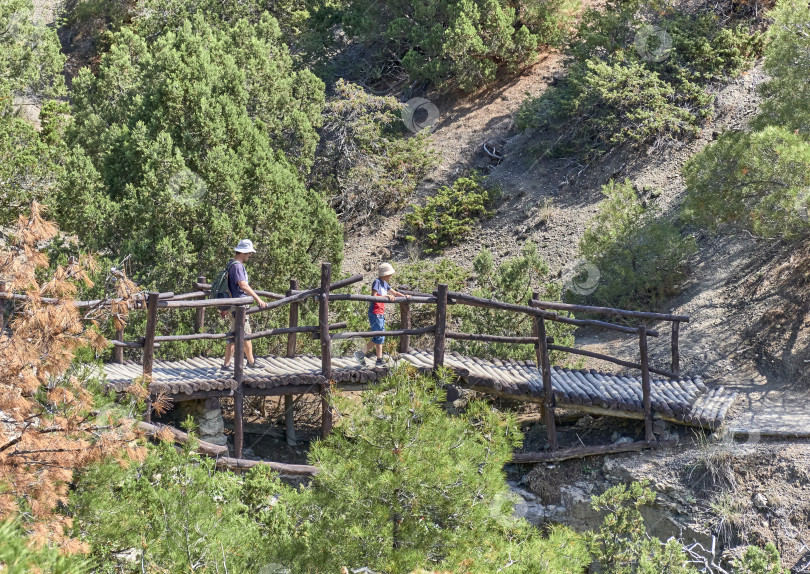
(366, 163)
(757, 181)
(30, 65)
(461, 43)
(403, 485)
(759, 561)
(449, 216)
(641, 258)
(185, 143)
(613, 95)
(787, 61)
(179, 515)
(622, 546)
(18, 557)
(512, 282)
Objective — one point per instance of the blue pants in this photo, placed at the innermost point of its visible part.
(377, 323)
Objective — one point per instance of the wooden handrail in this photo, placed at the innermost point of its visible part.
(395, 333)
(79, 304)
(532, 311)
(484, 338)
(372, 299)
(610, 359)
(556, 306)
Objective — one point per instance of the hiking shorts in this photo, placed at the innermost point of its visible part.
(377, 323)
(233, 325)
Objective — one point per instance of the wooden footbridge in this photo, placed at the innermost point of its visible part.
(652, 394)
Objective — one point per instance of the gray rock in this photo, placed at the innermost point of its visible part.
(759, 501)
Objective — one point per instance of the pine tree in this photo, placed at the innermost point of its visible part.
(404, 485)
(185, 143)
(48, 427)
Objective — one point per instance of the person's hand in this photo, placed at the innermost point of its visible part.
(262, 304)
(223, 314)
(407, 296)
(391, 297)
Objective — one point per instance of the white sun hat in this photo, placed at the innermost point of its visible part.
(245, 246)
(384, 269)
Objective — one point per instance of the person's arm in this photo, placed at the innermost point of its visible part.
(243, 285)
(396, 293)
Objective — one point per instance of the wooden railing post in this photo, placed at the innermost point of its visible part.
(238, 375)
(645, 383)
(199, 318)
(544, 366)
(2, 308)
(405, 315)
(118, 352)
(676, 355)
(292, 343)
(441, 326)
(292, 338)
(326, 347)
(149, 346)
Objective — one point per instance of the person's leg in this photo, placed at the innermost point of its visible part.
(249, 344)
(229, 349)
(379, 350)
(249, 352)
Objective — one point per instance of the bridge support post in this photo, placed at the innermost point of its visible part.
(199, 317)
(441, 326)
(405, 315)
(118, 352)
(2, 309)
(292, 344)
(238, 375)
(326, 347)
(676, 355)
(149, 347)
(645, 383)
(544, 366)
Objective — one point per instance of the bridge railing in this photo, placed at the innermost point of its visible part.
(539, 311)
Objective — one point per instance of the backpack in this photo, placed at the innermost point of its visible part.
(219, 287)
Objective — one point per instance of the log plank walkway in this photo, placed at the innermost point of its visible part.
(685, 400)
(671, 397)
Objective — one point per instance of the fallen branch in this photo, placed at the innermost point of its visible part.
(279, 467)
(153, 430)
(583, 451)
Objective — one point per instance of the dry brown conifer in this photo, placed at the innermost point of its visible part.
(47, 425)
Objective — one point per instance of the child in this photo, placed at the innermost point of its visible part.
(376, 311)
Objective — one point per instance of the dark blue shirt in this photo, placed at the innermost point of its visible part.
(236, 273)
(381, 287)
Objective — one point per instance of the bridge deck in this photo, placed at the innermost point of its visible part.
(686, 400)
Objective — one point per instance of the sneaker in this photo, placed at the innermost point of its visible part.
(361, 358)
(251, 365)
(380, 363)
(226, 368)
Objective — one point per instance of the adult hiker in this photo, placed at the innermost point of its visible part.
(238, 287)
(376, 311)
